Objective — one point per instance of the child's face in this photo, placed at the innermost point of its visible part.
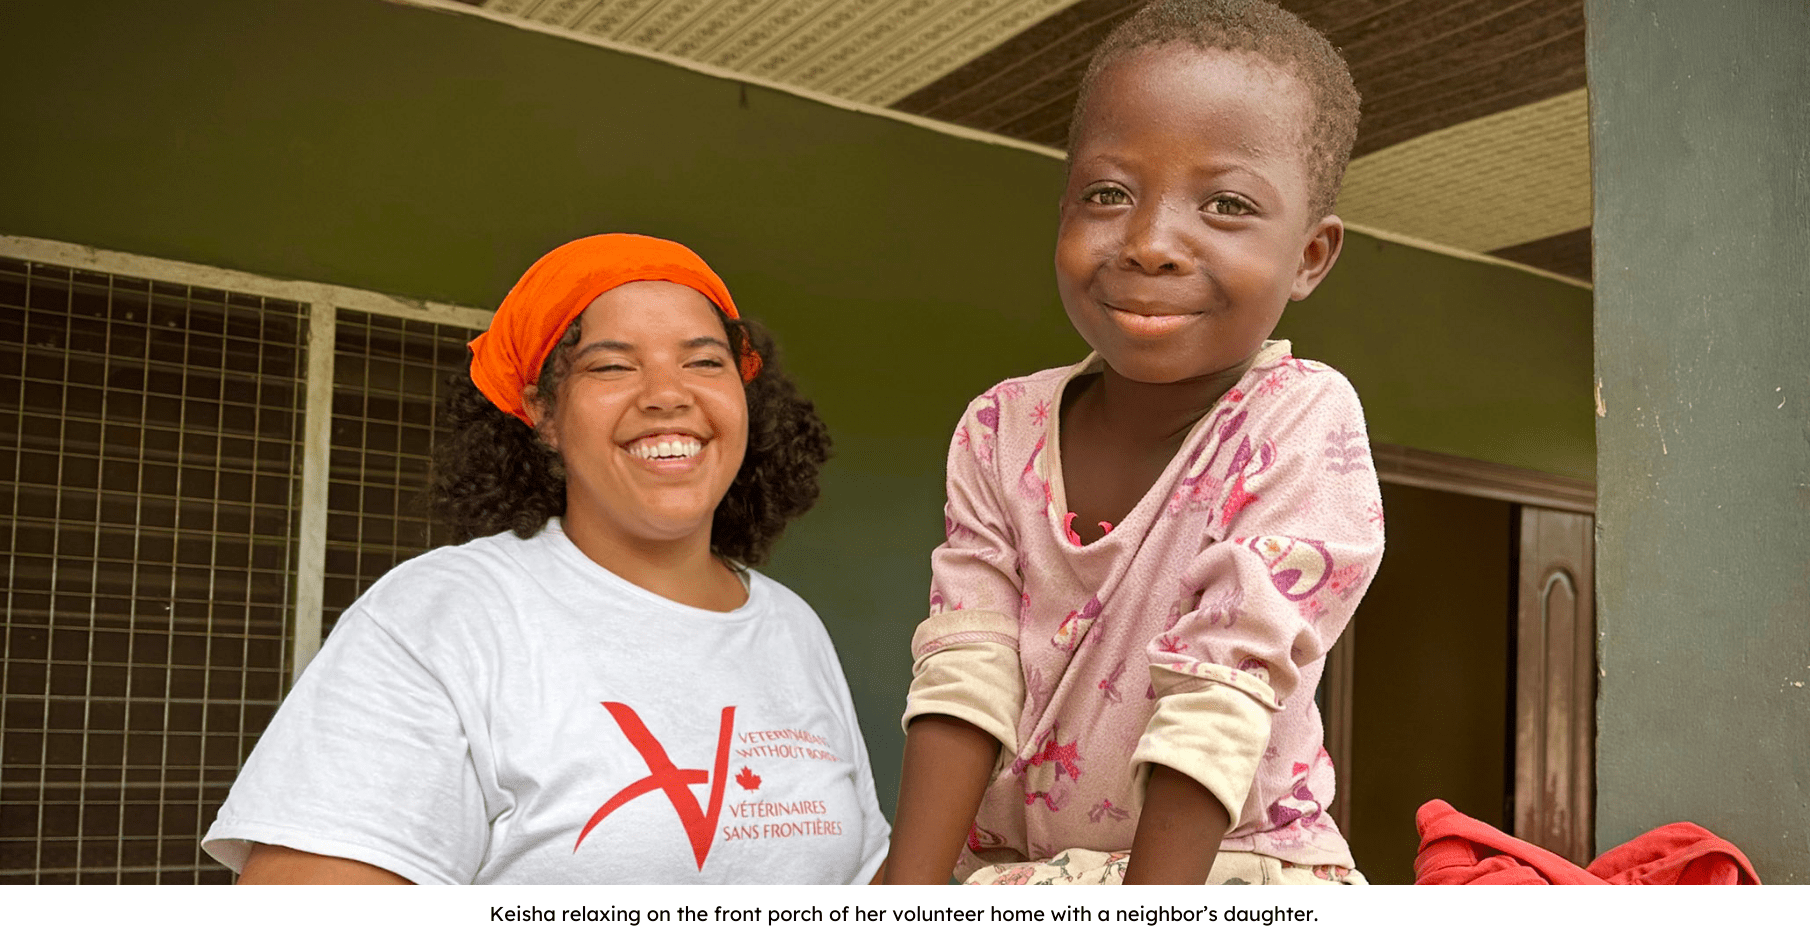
(1185, 223)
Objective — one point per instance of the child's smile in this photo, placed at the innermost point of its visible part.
(1185, 224)
(1143, 320)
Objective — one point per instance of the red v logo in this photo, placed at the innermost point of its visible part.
(700, 824)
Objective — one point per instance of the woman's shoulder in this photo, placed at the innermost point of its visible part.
(446, 579)
(790, 616)
(785, 605)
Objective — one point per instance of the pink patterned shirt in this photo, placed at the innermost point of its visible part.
(1191, 635)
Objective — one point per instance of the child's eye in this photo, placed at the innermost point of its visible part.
(608, 368)
(1107, 195)
(1228, 204)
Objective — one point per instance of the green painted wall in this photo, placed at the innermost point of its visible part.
(1700, 126)
(1457, 356)
(435, 156)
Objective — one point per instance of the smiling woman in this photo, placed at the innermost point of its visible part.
(651, 425)
(535, 705)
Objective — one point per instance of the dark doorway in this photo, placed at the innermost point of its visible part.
(1432, 697)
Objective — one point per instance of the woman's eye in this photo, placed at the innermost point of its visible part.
(1227, 204)
(610, 368)
(709, 362)
(1108, 195)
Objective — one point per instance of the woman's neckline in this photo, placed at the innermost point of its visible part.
(572, 552)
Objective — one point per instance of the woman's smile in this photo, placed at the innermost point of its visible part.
(666, 447)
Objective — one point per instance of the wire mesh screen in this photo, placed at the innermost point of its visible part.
(148, 469)
(389, 376)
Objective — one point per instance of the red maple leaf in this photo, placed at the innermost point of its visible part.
(747, 779)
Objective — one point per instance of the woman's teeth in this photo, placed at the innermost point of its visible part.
(666, 448)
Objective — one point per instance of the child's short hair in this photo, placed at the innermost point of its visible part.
(1266, 30)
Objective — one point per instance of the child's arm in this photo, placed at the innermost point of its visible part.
(967, 687)
(1178, 832)
(947, 764)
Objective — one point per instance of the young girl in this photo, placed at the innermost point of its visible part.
(1149, 553)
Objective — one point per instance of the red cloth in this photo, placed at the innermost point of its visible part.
(1458, 849)
(507, 358)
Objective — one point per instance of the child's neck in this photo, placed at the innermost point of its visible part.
(1118, 435)
(1160, 413)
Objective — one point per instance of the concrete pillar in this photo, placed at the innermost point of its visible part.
(1700, 138)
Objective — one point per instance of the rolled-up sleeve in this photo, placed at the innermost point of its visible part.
(965, 655)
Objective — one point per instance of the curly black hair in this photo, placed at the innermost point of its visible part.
(491, 473)
(1265, 30)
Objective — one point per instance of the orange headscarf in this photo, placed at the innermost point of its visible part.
(506, 359)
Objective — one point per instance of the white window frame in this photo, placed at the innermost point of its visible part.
(324, 301)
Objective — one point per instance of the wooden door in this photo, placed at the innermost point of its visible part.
(1555, 683)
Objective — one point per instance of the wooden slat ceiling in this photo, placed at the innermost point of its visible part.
(1478, 99)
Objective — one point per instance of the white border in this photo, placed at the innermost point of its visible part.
(550, 917)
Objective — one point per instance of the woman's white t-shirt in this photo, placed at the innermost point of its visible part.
(508, 711)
